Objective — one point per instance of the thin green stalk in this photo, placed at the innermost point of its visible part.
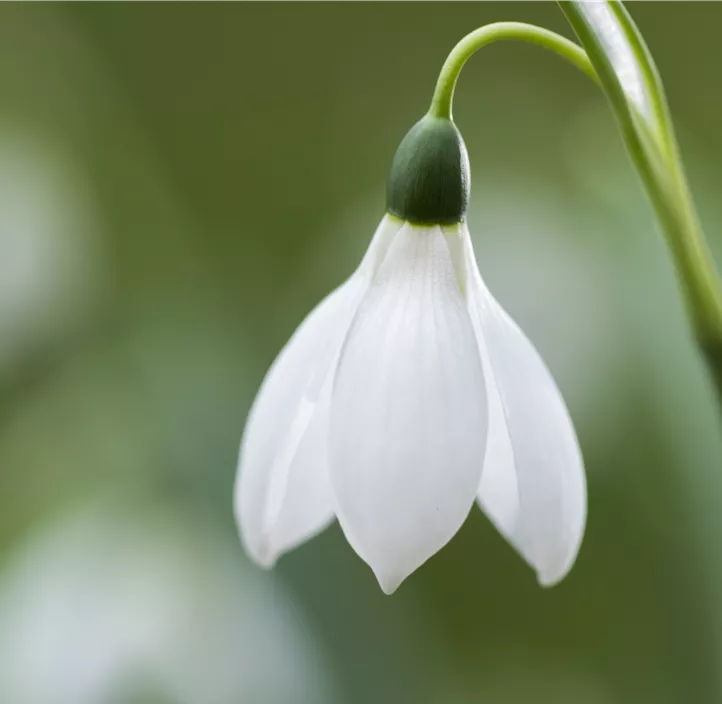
(654, 152)
(471, 43)
(649, 139)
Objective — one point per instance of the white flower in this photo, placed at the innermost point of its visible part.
(405, 395)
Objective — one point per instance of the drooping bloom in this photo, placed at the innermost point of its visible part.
(408, 394)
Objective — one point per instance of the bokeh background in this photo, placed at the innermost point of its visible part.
(179, 185)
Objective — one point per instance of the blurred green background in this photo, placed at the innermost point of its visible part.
(179, 185)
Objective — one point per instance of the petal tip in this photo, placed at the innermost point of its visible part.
(389, 584)
(267, 562)
(260, 552)
(551, 577)
(548, 581)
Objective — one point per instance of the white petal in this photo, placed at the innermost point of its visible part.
(283, 496)
(533, 486)
(408, 413)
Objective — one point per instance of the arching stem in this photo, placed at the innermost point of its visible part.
(655, 156)
(609, 35)
(500, 31)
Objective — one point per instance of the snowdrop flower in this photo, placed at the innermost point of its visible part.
(408, 394)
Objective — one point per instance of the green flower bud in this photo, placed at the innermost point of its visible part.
(429, 181)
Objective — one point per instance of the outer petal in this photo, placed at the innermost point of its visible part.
(408, 414)
(283, 496)
(533, 486)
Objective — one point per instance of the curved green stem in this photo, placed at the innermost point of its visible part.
(471, 43)
(652, 147)
(650, 142)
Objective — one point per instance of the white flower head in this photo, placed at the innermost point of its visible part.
(407, 394)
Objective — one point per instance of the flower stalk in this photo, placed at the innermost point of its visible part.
(501, 31)
(614, 55)
(631, 82)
